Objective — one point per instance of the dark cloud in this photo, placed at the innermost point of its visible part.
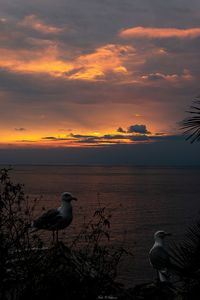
(64, 130)
(87, 19)
(159, 133)
(114, 138)
(99, 139)
(20, 129)
(155, 76)
(27, 141)
(138, 129)
(81, 136)
(120, 129)
(53, 138)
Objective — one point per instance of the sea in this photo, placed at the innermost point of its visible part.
(140, 200)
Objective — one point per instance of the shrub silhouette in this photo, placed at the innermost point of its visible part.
(30, 270)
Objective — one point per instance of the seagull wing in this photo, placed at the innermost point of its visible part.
(159, 258)
(48, 220)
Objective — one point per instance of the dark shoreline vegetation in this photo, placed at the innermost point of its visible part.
(87, 268)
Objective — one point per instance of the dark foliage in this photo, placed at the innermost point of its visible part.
(186, 255)
(31, 270)
(185, 260)
(86, 269)
(191, 125)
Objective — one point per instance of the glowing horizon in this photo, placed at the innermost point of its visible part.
(68, 82)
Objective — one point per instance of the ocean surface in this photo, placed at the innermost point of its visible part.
(141, 200)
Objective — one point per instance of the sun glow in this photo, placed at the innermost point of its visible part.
(23, 138)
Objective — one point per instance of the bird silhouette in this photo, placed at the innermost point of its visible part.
(159, 257)
(56, 219)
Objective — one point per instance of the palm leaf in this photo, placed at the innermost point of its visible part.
(191, 125)
(186, 255)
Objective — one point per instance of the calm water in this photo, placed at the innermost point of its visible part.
(144, 200)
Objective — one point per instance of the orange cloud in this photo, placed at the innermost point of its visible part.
(94, 66)
(45, 61)
(108, 58)
(35, 23)
(152, 32)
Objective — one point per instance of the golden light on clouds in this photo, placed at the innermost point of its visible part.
(21, 137)
(94, 66)
(35, 23)
(163, 33)
(53, 77)
(109, 58)
(45, 61)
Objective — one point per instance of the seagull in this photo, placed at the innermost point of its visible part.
(159, 257)
(56, 219)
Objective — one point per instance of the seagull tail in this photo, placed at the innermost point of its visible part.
(33, 230)
(30, 227)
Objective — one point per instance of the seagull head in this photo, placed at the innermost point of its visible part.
(160, 235)
(67, 197)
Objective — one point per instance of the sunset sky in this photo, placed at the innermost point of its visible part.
(98, 81)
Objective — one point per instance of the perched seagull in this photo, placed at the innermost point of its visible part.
(159, 257)
(56, 219)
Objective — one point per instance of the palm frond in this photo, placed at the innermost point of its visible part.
(191, 125)
(186, 255)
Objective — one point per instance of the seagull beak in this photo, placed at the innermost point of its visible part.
(73, 198)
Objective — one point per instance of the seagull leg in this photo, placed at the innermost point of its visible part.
(158, 277)
(53, 236)
(56, 236)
